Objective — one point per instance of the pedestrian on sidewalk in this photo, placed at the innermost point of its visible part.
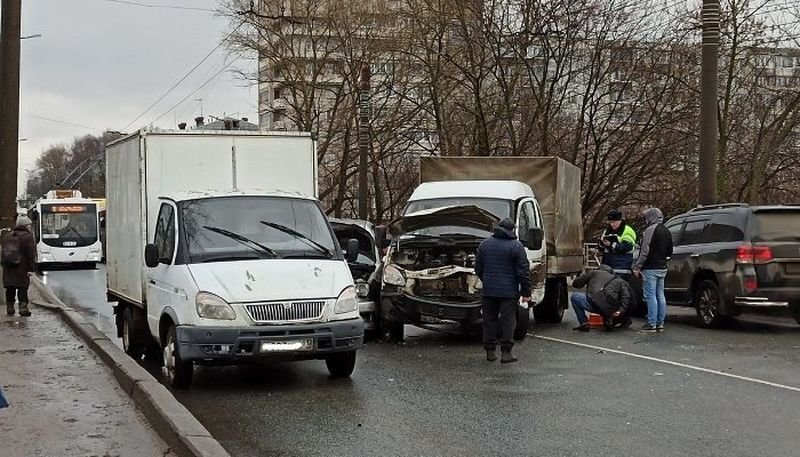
(502, 265)
(607, 294)
(651, 265)
(18, 260)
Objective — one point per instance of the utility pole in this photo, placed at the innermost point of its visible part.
(709, 127)
(363, 143)
(9, 110)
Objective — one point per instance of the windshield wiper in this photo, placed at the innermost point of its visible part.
(300, 237)
(231, 258)
(83, 240)
(254, 245)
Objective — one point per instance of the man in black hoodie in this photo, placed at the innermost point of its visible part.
(502, 265)
(652, 266)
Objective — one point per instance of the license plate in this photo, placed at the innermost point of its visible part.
(306, 344)
(793, 268)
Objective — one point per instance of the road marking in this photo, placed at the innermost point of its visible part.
(669, 362)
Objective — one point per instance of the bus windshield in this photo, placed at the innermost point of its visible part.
(68, 225)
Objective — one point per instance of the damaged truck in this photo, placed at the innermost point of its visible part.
(429, 275)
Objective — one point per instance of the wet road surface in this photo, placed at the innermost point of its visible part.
(732, 392)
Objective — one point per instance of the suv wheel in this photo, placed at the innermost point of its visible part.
(708, 302)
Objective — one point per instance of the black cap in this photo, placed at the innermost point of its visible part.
(615, 215)
(507, 224)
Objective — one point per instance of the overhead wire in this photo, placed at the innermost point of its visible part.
(189, 73)
(152, 5)
(58, 121)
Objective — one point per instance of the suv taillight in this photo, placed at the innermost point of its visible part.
(754, 254)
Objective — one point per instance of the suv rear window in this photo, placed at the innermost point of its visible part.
(776, 225)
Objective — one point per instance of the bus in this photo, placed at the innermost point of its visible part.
(67, 230)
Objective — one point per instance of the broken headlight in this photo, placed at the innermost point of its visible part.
(393, 276)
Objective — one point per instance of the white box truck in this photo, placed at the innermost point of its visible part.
(218, 252)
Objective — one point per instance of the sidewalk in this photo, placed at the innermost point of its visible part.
(64, 400)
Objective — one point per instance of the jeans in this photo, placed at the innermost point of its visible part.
(653, 285)
(581, 305)
(499, 321)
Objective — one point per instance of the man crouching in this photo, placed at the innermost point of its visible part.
(606, 294)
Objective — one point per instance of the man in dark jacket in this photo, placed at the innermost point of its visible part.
(616, 244)
(502, 265)
(652, 266)
(607, 294)
(18, 259)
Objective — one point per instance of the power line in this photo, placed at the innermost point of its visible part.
(198, 88)
(57, 121)
(174, 86)
(173, 7)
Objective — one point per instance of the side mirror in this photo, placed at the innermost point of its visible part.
(34, 215)
(535, 238)
(352, 250)
(151, 256)
(381, 237)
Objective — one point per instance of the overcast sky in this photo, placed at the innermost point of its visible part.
(101, 63)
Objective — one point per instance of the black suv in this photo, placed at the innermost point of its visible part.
(735, 258)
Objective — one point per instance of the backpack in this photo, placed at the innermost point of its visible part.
(10, 256)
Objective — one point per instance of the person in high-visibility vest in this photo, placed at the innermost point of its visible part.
(617, 243)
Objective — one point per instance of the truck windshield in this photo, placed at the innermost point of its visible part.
(308, 235)
(498, 207)
(68, 225)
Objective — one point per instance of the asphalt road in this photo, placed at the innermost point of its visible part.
(697, 392)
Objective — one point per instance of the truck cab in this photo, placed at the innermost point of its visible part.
(429, 276)
(246, 275)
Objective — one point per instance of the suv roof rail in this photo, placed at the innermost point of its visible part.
(718, 206)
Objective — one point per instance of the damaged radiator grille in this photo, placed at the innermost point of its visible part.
(285, 312)
(448, 287)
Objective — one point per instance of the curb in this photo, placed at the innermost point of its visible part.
(170, 419)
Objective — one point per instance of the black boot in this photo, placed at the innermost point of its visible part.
(10, 310)
(23, 309)
(491, 355)
(582, 328)
(507, 356)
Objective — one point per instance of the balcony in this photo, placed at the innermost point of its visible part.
(280, 104)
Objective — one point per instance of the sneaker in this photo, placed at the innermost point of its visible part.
(491, 356)
(660, 327)
(582, 328)
(648, 328)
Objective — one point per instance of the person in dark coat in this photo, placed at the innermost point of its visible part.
(502, 265)
(15, 271)
(651, 266)
(615, 301)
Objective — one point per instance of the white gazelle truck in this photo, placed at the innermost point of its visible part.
(218, 252)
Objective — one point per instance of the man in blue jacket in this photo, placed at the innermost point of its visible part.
(502, 265)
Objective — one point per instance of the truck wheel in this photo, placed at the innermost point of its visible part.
(708, 303)
(130, 341)
(341, 364)
(523, 323)
(177, 372)
(551, 310)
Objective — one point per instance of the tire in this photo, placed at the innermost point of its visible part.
(396, 330)
(341, 364)
(708, 301)
(551, 310)
(523, 323)
(177, 372)
(130, 339)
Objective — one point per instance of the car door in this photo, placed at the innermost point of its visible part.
(671, 290)
(528, 218)
(686, 257)
(163, 281)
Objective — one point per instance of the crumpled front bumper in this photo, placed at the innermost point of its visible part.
(399, 306)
